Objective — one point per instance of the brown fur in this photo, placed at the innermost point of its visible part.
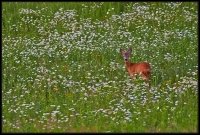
(142, 68)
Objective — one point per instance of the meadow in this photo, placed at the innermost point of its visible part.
(62, 70)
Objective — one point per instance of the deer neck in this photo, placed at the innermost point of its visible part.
(128, 63)
(129, 66)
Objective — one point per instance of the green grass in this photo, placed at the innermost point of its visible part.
(63, 72)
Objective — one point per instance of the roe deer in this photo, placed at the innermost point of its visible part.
(141, 68)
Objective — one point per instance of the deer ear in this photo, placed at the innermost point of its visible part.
(121, 50)
(130, 50)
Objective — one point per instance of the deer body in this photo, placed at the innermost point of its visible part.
(141, 68)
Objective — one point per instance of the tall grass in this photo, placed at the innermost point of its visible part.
(62, 70)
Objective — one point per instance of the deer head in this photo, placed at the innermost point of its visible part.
(126, 54)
